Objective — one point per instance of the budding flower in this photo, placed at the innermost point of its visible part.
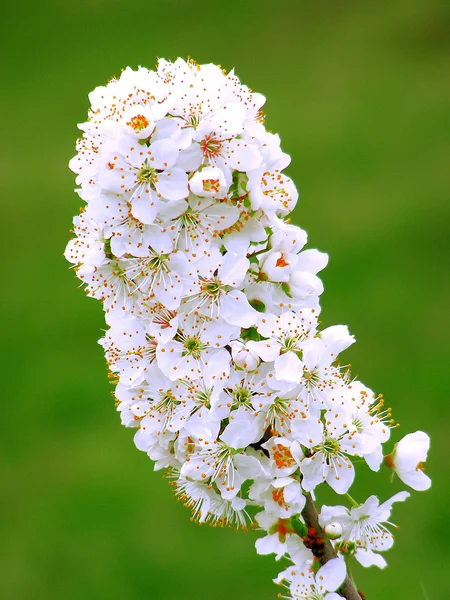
(277, 266)
(407, 460)
(305, 285)
(210, 182)
(333, 531)
(244, 357)
(288, 238)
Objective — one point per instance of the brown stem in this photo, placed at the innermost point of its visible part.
(325, 551)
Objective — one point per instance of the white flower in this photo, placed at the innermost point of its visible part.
(145, 176)
(89, 245)
(272, 191)
(306, 585)
(407, 460)
(329, 446)
(285, 335)
(243, 356)
(211, 288)
(279, 533)
(197, 346)
(215, 461)
(246, 390)
(196, 224)
(285, 454)
(363, 526)
(280, 496)
(210, 182)
(212, 302)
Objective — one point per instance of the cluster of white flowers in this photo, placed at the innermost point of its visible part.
(212, 305)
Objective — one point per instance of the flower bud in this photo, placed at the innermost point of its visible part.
(288, 238)
(209, 183)
(407, 458)
(277, 266)
(333, 531)
(304, 285)
(244, 357)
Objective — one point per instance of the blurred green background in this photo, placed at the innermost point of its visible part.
(359, 92)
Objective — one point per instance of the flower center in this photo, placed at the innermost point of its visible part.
(242, 396)
(211, 185)
(138, 123)
(278, 497)
(157, 262)
(311, 378)
(290, 342)
(281, 262)
(194, 346)
(211, 287)
(147, 175)
(282, 527)
(282, 456)
(330, 446)
(167, 401)
(210, 146)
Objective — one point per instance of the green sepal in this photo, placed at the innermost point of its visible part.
(300, 528)
(250, 334)
(286, 289)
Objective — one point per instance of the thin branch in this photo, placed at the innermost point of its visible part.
(323, 549)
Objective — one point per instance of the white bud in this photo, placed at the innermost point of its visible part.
(333, 530)
(277, 265)
(288, 238)
(243, 357)
(305, 285)
(408, 456)
(209, 183)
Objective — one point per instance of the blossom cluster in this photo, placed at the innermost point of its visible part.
(212, 307)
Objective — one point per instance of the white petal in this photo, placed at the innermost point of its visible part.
(367, 558)
(312, 261)
(144, 207)
(337, 338)
(235, 309)
(341, 476)
(242, 156)
(332, 574)
(190, 159)
(288, 367)
(375, 458)
(417, 480)
(233, 269)
(314, 471)
(268, 350)
(173, 184)
(164, 152)
(240, 432)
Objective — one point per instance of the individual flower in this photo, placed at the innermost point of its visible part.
(364, 532)
(211, 288)
(210, 182)
(197, 346)
(283, 344)
(145, 175)
(243, 356)
(407, 460)
(307, 585)
(196, 224)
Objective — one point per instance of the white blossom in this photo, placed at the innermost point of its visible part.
(408, 457)
(213, 338)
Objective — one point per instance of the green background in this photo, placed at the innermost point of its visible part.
(359, 92)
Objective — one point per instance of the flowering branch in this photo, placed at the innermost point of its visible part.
(326, 551)
(214, 341)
